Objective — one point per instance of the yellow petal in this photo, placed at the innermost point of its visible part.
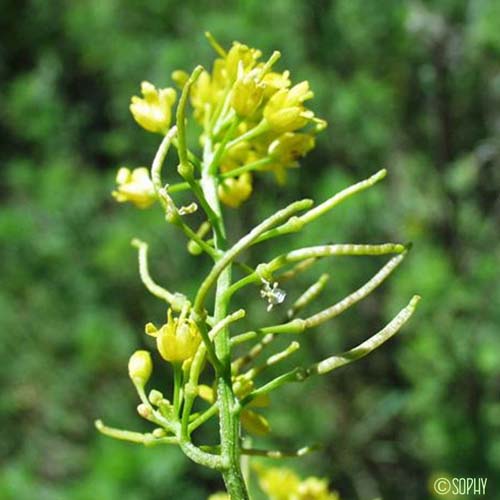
(254, 423)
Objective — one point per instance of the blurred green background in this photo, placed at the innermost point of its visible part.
(411, 86)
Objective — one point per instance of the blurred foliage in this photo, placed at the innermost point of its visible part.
(413, 86)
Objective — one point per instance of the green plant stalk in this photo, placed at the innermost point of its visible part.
(177, 387)
(228, 404)
(229, 459)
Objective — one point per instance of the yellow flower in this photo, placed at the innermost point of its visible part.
(247, 95)
(254, 423)
(286, 150)
(140, 367)
(314, 488)
(275, 81)
(240, 55)
(285, 111)
(219, 496)
(234, 191)
(134, 186)
(289, 147)
(177, 340)
(280, 483)
(237, 156)
(154, 110)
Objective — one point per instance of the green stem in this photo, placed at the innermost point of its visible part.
(227, 401)
(259, 129)
(206, 415)
(180, 186)
(279, 453)
(186, 169)
(134, 437)
(221, 148)
(190, 389)
(158, 162)
(191, 156)
(296, 375)
(215, 44)
(181, 117)
(177, 387)
(272, 360)
(250, 167)
(176, 300)
(224, 263)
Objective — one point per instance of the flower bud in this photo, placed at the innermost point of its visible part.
(180, 77)
(206, 392)
(193, 248)
(166, 408)
(144, 411)
(140, 367)
(155, 397)
(159, 433)
(242, 386)
(186, 170)
(288, 119)
(205, 92)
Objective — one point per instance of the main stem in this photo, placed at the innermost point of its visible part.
(228, 416)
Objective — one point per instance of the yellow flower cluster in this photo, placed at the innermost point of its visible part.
(178, 339)
(260, 113)
(280, 483)
(253, 119)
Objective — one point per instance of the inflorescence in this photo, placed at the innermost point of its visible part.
(252, 120)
